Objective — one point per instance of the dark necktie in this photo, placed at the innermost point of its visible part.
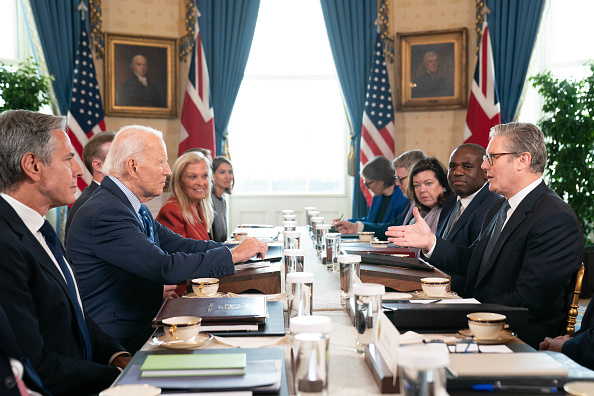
(56, 248)
(501, 216)
(454, 216)
(147, 222)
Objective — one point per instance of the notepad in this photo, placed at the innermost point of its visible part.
(501, 365)
(184, 365)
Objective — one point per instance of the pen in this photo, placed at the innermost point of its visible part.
(514, 388)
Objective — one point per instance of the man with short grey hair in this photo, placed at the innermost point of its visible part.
(531, 241)
(123, 257)
(38, 290)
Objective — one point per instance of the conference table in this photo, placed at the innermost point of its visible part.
(348, 372)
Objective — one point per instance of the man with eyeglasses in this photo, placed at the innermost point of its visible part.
(531, 241)
(402, 164)
(463, 214)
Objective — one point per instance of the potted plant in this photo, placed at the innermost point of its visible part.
(568, 127)
(22, 87)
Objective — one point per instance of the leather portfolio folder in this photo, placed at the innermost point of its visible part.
(394, 261)
(363, 247)
(446, 317)
(216, 309)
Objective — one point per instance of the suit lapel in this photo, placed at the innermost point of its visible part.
(477, 201)
(513, 222)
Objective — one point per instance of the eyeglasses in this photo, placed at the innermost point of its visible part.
(369, 183)
(491, 157)
(401, 179)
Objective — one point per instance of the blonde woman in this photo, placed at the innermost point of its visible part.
(189, 211)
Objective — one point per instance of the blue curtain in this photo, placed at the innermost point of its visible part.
(58, 23)
(513, 25)
(352, 32)
(227, 29)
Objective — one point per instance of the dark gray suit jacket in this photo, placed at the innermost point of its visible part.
(532, 264)
(121, 273)
(36, 300)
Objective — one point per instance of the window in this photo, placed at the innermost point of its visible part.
(562, 47)
(15, 45)
(288, 132)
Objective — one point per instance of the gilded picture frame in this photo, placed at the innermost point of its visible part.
(140, 76)
(432, 70)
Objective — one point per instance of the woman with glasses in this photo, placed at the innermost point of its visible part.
(428, 188)
(387, 203)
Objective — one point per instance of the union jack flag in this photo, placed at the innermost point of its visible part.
(85, 116)
(483, 106)
(197, 119)
(377, 134)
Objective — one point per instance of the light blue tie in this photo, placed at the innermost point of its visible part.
(147, 222)
(56, 248)
(501, 216)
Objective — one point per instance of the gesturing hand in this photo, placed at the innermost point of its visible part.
(416, 235)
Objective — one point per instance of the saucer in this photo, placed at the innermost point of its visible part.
(194, 295)
(396, 296)
(506, 336)
(423, 296)
(200, 339)
(579, 388)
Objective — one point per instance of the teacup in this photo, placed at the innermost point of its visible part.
(181, 328)
(204, 287)
(435, 287)
(131, 390)
(379, 244)
(486, 325)
(366, 236)
(240, 236)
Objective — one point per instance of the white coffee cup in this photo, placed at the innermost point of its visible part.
(435, 287)
(486, 325)
(181, 328)
(366, 236)
(204, 287)
(132, 390)
(240, 236)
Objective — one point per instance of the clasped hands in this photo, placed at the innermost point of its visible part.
(416, 235)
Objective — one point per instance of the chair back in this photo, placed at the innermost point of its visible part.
(573, 306)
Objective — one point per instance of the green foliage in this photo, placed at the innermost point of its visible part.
(569, 135)
(23, 88)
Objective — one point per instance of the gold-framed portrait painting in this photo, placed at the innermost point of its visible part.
(432, 70)
(140, 76)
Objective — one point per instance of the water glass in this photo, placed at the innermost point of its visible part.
(368, 303)
(321, 230)
(421, 369)
(333, 247)
(292, 239)
(300, 293)
(349, 266)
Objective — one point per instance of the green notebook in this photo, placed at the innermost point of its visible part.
(194, 365)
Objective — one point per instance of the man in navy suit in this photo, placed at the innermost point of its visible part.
(123, 257)
(94, 154)
(462, 214)
(37, 291)
(531, 241)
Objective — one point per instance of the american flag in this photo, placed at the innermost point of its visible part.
(197, 119)
(483, 106)
(85, 117)
(377, 135)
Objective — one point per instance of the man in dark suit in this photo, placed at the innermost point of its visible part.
(462, 214)
(37, 291)
(531, 241)
(14, 366)
(123, 257)
(138, 90)
(94, 154)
